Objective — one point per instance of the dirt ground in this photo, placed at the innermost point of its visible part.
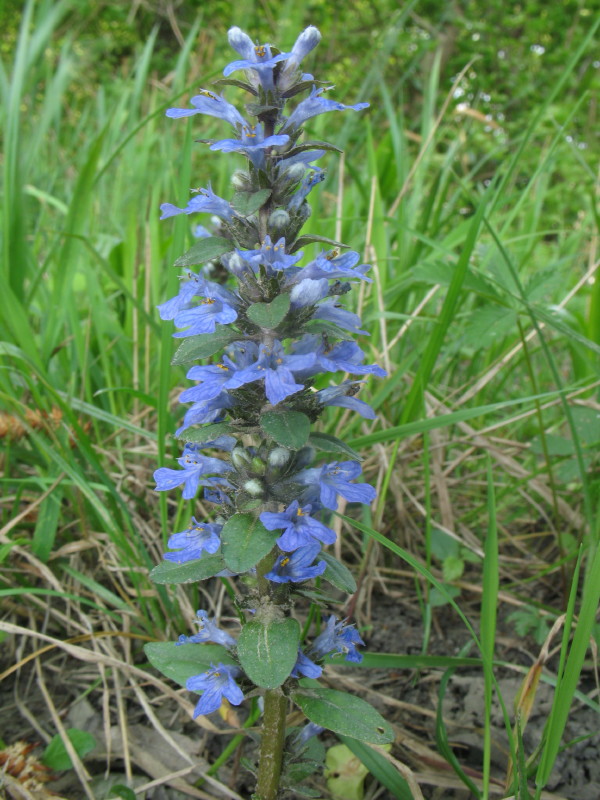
(406, 699)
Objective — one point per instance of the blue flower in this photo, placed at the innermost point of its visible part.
(338, 638)
(314, 105)
(342, 397)
(304, 666)
(206, 411)
(211, 377)
(305, 158)
(194, 466)
(216, 683)
(205, 201)
(332, 265)
(308, 292)
(326, 482)
(257, 58)
(331, 311)
(307, 41)
(217, 496)
(213, 106)
(297, 567)
(276, 369)
(344, 356)
(209, 631)
(300, 528)
(194, 286)
(193, 541)
(204, 317)
(272, 256)
(308, 183)
(308, 731)
(252, 144)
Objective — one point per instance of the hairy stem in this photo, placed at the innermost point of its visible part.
(271, 745)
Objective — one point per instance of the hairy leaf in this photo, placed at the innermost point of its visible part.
(268, 652)
(343, 713)
(204, 250)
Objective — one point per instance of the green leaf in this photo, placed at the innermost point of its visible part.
(313, 145)
(189, 572)
(269, 315)
(206, 433)
(438, 598)
(323, 326)
(246, 203)
(124, 792)
(204, 250)
(233, 82)
(337, 574)
(55, 755)
(181, 661)
(288, 428)
(343, 713)
(203, 345)
(268, 652)
(310, 238)
(244, 541)
(453, 567)
(331, 444)
(381, 769)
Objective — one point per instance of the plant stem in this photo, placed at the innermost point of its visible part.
(271, 745)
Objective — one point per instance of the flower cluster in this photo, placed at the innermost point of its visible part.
(279, 324)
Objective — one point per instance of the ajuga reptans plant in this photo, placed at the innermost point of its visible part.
(265, 322)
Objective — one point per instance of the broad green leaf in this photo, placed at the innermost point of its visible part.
(206, 433)
(204, 250)
(343, 713)
(189, 572)
(55, 755)
(331, 444)
(337, 574)
(244, 541)
(268, 652)
(181, 661)
(269, 315)
(289, 428)
(246, 203)
(203, 345)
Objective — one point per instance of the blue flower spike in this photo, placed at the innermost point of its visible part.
(265, 335)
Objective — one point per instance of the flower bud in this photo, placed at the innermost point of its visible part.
(278, 220)
(258, 466)
(240, 180)
(279, 457)
(254, 488)
(240, 458)
(295, 172)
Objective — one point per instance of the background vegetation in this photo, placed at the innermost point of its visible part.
(471, 185)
